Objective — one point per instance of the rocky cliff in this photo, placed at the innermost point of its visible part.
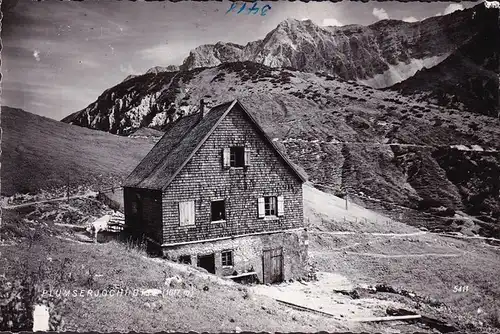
(378, 55)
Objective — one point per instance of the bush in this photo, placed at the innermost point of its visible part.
(438, 122)
(18, 299)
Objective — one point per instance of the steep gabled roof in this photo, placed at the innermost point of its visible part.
(181, 141)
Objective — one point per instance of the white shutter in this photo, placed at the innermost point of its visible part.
(247, 157)
(186, 213)
(226, 155)
(281, 206)
(261, 207)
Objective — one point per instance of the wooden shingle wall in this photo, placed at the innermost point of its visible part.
(147, 219)
(204, 179)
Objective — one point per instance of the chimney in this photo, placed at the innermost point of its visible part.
(202, 109)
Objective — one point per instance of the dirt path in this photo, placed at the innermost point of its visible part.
(370, 233)
(89, 194)
(320, 296)
(387, 256)
(467, 237)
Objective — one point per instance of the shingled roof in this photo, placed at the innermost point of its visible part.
(181, 141)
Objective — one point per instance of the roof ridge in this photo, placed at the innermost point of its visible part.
(180, 143)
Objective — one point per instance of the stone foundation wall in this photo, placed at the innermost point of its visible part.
(247, 253)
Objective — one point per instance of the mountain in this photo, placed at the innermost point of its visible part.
(378, 55)
(385, 148)
(41, 153)
(156, 70)
(374, 143)
(468, 78)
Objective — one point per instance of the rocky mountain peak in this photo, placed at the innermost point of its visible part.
(378, 55)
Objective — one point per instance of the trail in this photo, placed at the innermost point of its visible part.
(405, 255)
(70, 225)
(370, 233)
(468, 237)
(58, 199)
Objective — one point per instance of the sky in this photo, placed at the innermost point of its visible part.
(59, 56)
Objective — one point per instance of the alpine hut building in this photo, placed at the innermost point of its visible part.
(217, 193)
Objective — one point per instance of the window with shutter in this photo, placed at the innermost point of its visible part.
(186, 213)
(281, 206)
(247, 156)
(270, 206)
(261, 207)
(237, 156)
(226, 156)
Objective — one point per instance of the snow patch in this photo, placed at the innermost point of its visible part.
(402, 71)
(492, 4)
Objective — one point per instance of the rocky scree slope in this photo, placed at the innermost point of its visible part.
(469, 77)
(343, 134)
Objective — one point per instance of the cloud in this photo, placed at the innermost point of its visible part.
(453, 7)
(332, 22)
(128, 69)
(450, 9)
(160, 52)
(410, 19)
(166, 54)
(36, 54)
(380, 13)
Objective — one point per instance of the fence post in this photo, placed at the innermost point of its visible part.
(67, 186)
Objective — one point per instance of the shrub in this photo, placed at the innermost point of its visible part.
(474, 126)
(438, 122)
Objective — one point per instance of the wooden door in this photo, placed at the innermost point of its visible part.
(272, 264)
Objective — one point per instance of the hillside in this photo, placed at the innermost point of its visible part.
(468, 78)
(40, 153)
(352, 252)
(345, 135)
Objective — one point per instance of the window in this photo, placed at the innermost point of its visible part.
(227, 258)
(218, 210)
(271, 206)
(237, 156)
(186, 259)
(186, 213)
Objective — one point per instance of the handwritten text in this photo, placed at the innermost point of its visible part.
(250, 10)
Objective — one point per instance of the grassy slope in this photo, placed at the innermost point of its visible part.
(39, 152)
(400, 261)
(116, 263)
(203, 303)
